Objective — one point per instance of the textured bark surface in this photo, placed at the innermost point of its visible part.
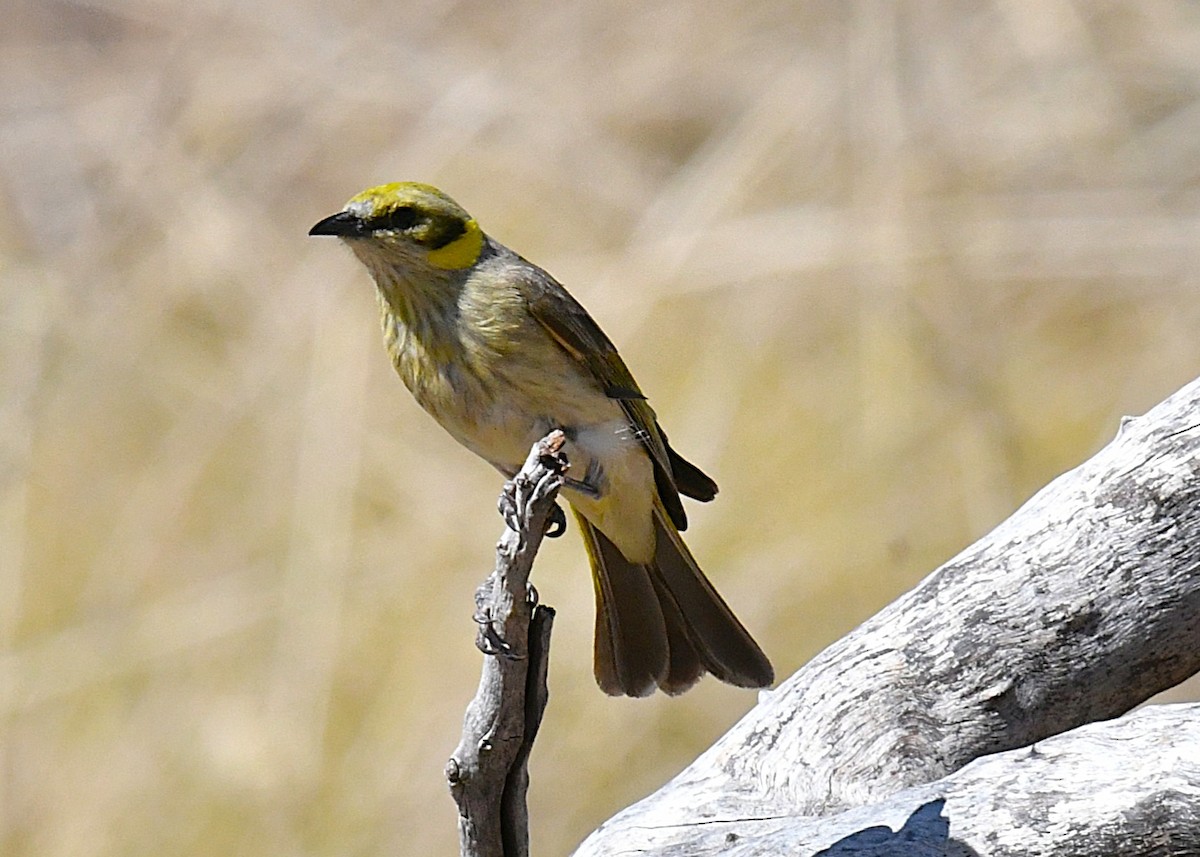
(1112, 789)
(488, 773)
(1080, 606)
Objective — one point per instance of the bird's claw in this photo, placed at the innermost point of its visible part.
(490, 639)
(556, 522)
(490, 642)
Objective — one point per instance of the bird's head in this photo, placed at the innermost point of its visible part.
(406, 225)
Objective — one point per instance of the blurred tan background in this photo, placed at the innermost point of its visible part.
(884, 269)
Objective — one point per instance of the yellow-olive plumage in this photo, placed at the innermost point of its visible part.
(500, 354)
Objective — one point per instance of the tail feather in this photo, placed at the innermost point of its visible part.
(663, 624)
(631, 644)
(723, 643)
(685, 666)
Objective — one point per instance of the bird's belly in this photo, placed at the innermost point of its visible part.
(503, 436)
(500, 436)
(605, 455)
(501, 418)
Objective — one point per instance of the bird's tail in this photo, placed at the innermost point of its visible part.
(663, 625)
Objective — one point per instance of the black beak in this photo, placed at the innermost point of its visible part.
(343, 224)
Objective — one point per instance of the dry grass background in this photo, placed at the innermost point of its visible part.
(884, 269)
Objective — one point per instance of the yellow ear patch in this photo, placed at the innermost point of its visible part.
(462, 252)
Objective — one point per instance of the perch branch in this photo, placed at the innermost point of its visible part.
(487, 774)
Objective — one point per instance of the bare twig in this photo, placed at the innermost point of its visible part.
(487, 773)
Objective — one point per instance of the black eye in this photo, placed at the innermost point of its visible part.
(400, 218)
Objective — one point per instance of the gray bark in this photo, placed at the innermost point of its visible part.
(1113, 789)
(488, 773)
(1080, 606)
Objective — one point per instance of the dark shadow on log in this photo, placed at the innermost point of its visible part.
(925, 834)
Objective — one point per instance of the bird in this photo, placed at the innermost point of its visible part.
(500, 354)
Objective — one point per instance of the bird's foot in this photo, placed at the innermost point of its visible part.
(491, 637)
(556, 522)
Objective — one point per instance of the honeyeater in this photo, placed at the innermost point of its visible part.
(500, 354)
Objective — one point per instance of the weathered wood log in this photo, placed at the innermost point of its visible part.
(488, 773)
(1113, 789)
(1080, 606)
